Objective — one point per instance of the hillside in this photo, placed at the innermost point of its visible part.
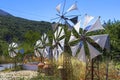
(4, 13)
(15, 27)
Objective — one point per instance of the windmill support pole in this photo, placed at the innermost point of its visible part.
(92, 70)
(107, 67)
(15, 63)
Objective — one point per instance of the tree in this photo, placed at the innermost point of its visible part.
(113, 29)
(30, 38)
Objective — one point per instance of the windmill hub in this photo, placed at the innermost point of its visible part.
(63, 17)
(57, 43)
(83, 37)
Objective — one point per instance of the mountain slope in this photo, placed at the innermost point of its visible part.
(15, 27)
(4, 13)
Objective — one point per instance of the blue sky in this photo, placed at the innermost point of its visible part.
(44, 10)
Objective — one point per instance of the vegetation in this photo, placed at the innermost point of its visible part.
(113, 29)
(20, 30)
(27, 32)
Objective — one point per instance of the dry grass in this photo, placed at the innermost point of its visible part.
(5, 59)
(79, 69)
(113, 73)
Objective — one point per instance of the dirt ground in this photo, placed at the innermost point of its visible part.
(17, 75)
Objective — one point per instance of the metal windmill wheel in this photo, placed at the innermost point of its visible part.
(84, 39)
(58, 42)
(63, 17)
(13, 49)
(85, 44)
(41, 49)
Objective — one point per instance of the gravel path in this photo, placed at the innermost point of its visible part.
(17, 75)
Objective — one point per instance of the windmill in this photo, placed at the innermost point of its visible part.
(36, 48)
(13, 50)
(58, 42)
(65, 22)
(85, 44)
(41, 49)
(63, 17)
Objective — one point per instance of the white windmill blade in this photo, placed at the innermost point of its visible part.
(12, 54)
(54, 42)
(44, 54)
(38, 43)
(55, 25)
(10, 45)
(41, 51)
(37, 53)
(107, 44)
(47, 41)
(87, 20)
(13, 44)
(47, 51)
(60, 31)
(77, 26)
(58, 8)
(102, 40)
(16, 50)
(61, 43)
(60, 46)
(74, 49)
(56, 56)
(55, 53)
(9, 48)
(60, 50)
(73, 7)
(96, 26)
(45, 38)
(56, 34)
(72, 38)
(81, 54)
(93, 52)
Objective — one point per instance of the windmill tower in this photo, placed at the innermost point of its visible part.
(59, 41)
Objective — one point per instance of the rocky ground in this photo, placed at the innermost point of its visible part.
(18, 75)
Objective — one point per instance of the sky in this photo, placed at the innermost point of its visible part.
(45, 10)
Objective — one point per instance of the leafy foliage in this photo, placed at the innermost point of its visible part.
(14, 28)
(113, 29)
(20, 30)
